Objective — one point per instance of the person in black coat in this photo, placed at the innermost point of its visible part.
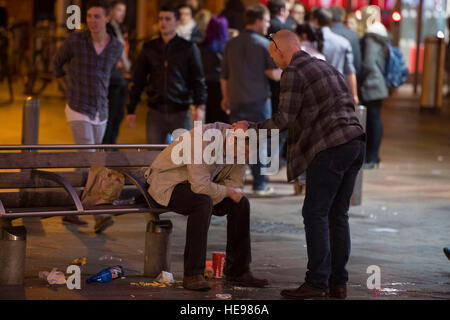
(278, 14)
(118, 84)
(171, 71)
(211, 50)
(234, 12)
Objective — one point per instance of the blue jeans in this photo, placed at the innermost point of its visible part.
(255, 112)
(330, 179)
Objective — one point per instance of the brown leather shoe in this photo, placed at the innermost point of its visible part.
(102, 223)
(197, 283)
(305, 291)
(338, 292)
(246, 280)
(76, 220)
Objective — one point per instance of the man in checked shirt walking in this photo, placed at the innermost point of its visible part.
(91, 56)
(326, 140)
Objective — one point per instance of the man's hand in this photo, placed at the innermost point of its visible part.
(131, 120)
(235, 194)
(225, 105)
(198, 114)
(240, 125)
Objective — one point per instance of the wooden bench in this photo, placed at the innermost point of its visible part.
(48, 180)
(51, 183)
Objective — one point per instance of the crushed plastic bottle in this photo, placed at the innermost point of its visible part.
(165, 277)
(106, 275)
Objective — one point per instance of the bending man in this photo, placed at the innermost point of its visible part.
(200, 190)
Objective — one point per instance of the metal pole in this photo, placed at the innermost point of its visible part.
(157, 247)
(418, 40)
(13, 243)
(356, 198)
(30, 121)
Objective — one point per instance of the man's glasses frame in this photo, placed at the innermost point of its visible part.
(270, 36)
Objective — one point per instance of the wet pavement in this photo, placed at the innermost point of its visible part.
(401, 226)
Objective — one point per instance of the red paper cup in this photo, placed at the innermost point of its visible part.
(218, 262)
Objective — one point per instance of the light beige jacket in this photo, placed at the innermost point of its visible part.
(210, 179)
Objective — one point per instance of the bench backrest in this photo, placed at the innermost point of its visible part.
(72, 165)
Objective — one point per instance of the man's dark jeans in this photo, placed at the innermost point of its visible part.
(330, 181)
(117, 95)
(256, 112)
(199, 208)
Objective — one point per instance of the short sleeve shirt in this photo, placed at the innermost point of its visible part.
(245, 60)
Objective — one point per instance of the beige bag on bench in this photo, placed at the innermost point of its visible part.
(103, 186)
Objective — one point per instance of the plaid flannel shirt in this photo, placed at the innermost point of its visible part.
(317, 108)
(88, 72)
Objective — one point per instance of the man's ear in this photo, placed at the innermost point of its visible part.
(108, 18)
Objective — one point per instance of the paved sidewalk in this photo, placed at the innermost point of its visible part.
(402, 225)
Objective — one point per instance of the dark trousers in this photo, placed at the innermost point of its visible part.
(374, 129)
(199, 208)
(330, 179)
(117, 95)
(164, 121)
(214, 112)
(256, 112)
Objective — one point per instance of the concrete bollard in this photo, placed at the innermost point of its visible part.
(157, 247)
(356, 198)
(13, 243)
(30, 121)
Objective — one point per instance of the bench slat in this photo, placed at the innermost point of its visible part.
(17, 180)
(65, 211)
(50, 197)
(41, 160)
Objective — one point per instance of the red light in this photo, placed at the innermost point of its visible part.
(396, 16)
(358, 14)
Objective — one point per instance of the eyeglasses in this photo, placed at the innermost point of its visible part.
(270, 36)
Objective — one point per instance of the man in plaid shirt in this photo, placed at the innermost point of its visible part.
(325, 139)
(90, 55)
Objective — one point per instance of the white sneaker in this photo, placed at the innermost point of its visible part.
(265, 192)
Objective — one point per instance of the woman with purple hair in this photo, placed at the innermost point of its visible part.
(211, 50)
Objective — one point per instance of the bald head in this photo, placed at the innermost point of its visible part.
(287, 43)
(287, 40)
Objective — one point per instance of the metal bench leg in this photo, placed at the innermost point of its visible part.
(157, 247)
(13, 243)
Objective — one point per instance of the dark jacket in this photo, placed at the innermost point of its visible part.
(372, 84)
(353, 38)
(196, 35)
(276, 25)
(212, 61)
(291, 24)
(172, 72)
(234, 12)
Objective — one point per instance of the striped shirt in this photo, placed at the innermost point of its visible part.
(317, 108)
